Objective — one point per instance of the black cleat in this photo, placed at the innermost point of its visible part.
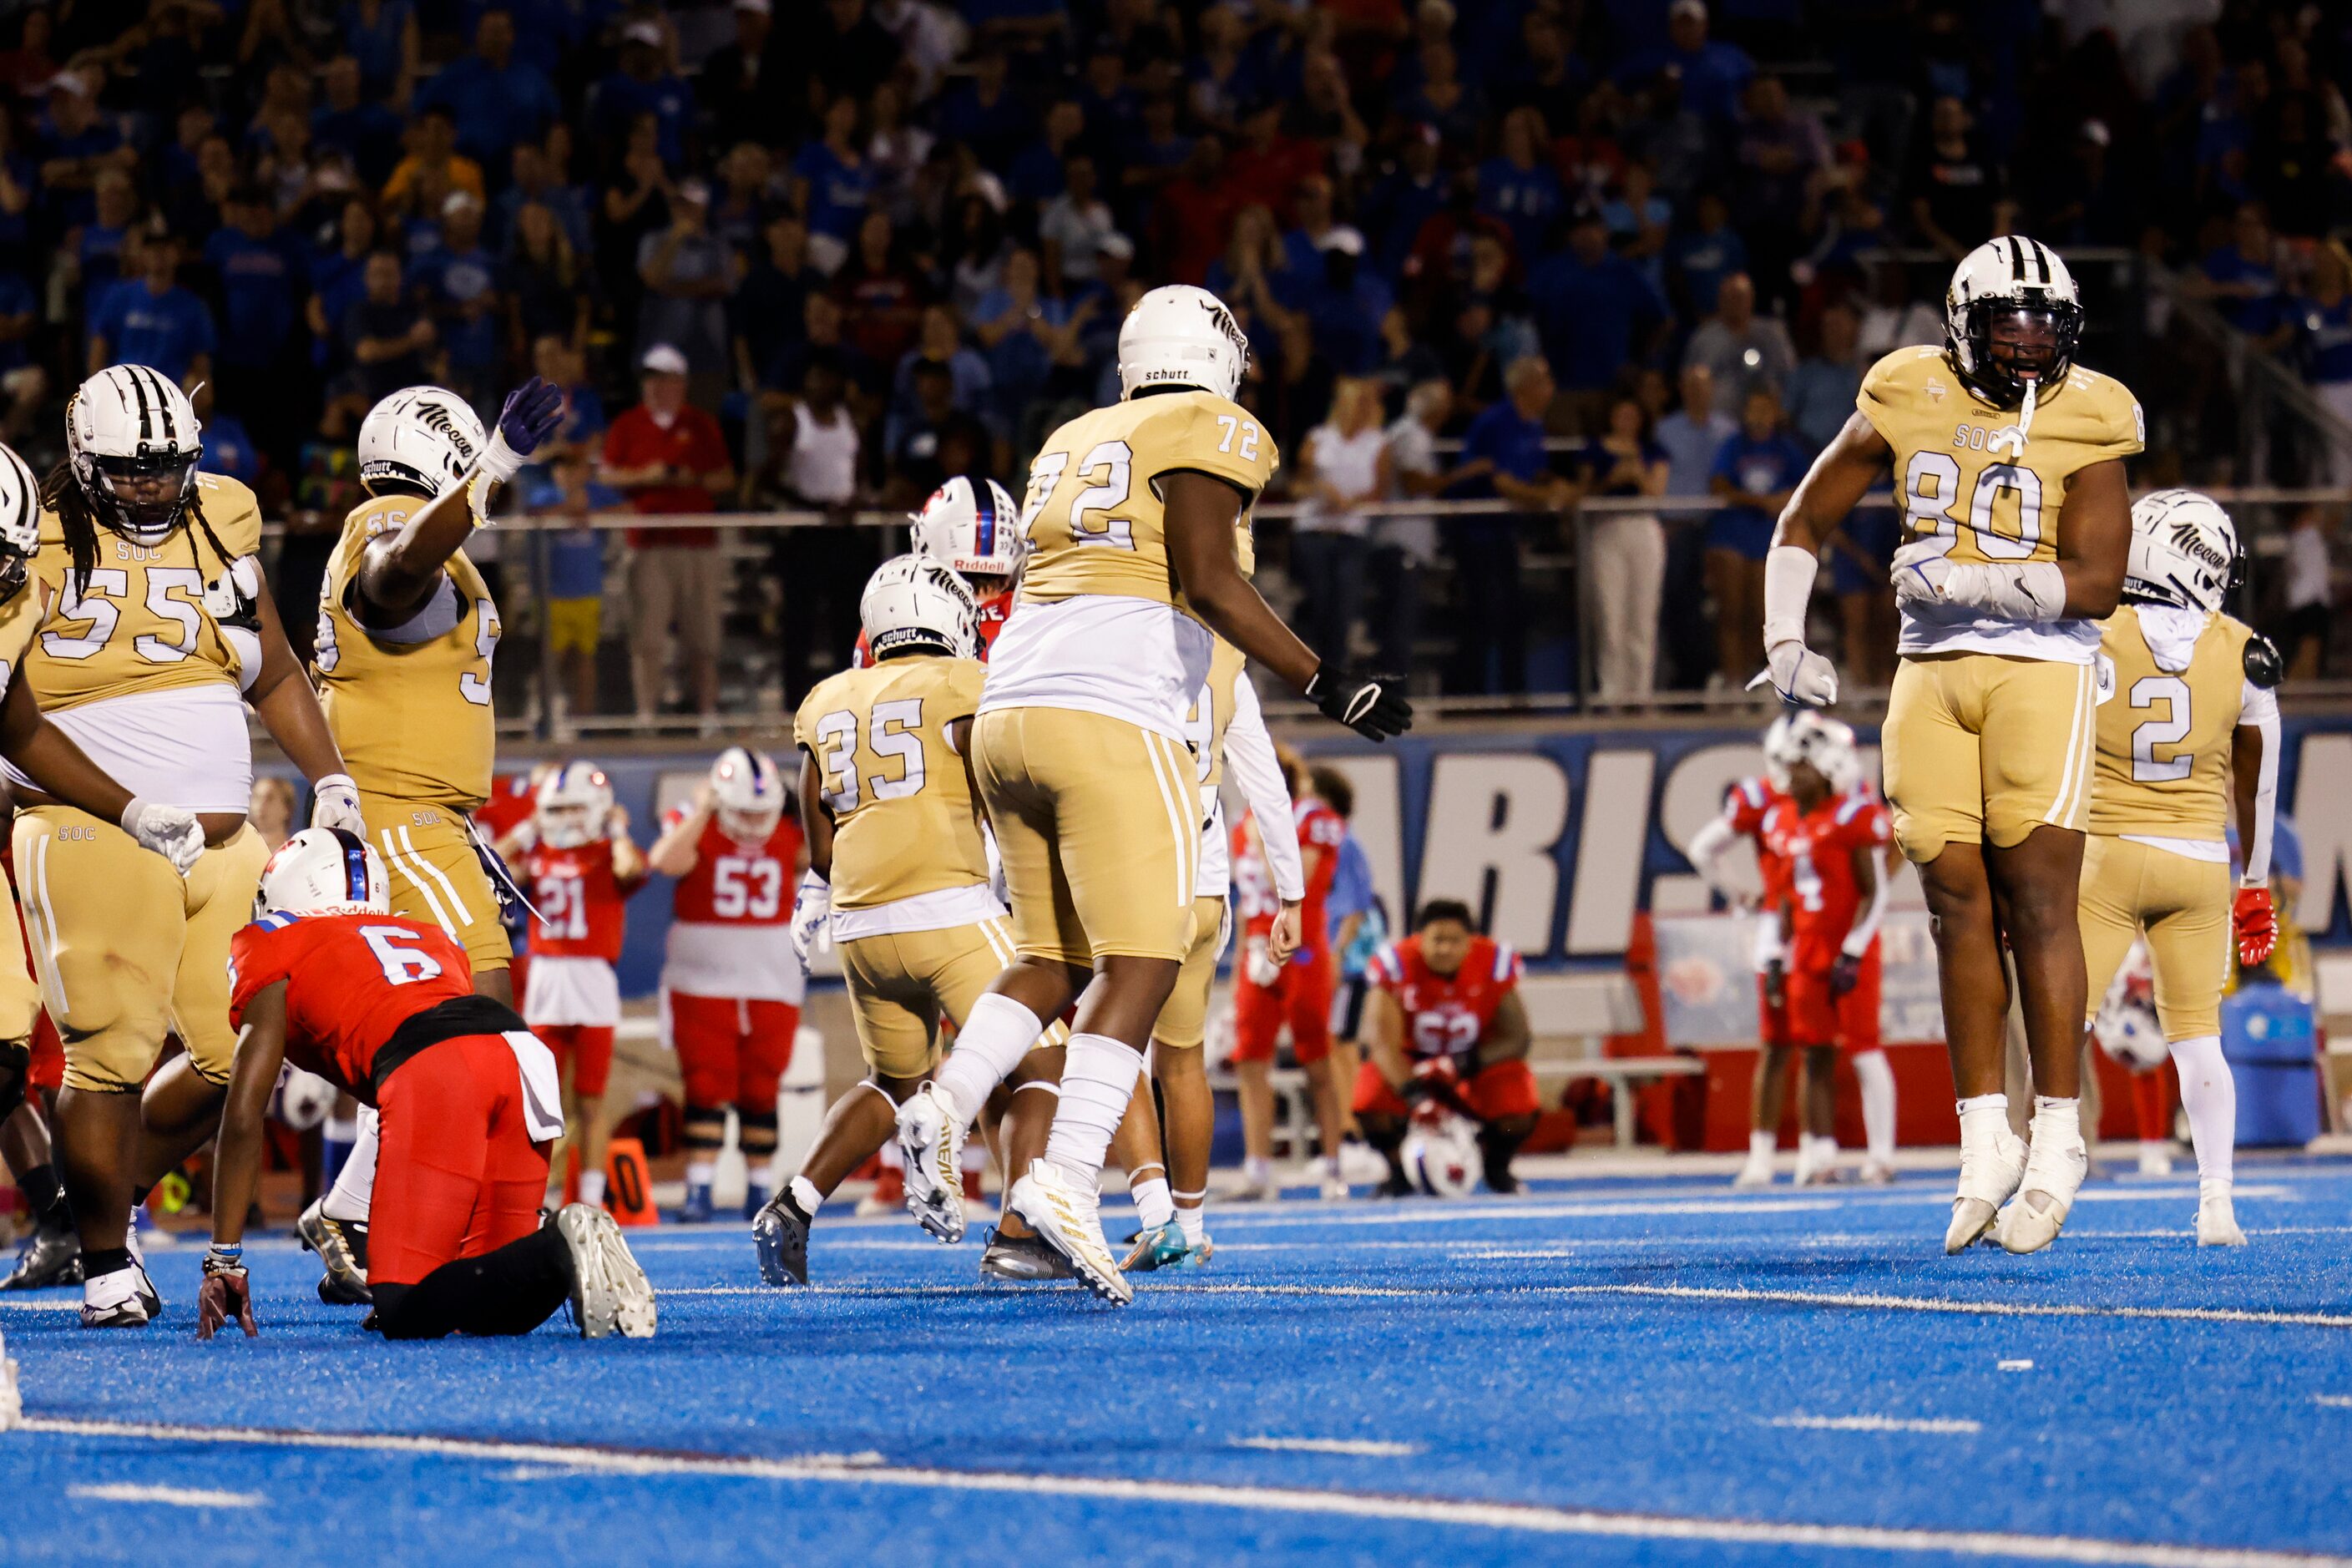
(48, 1257)
(1026, 1259)
(1396, 1186)
(1502, 1184)
(340, 1246)
(781, 1233)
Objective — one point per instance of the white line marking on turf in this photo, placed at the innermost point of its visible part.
(20, 1304)
(172, 1496)
(1939, 1304)
(1532, 1518)
(1941, 1426)
(2023, 1365)
(1363, 1448)
(2333, 1401)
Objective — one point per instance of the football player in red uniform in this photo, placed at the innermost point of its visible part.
(1831, 833)
(1446, 1024)
(977, 531)
(731, 989)
(386, 1008)
(579, 866)
(1267, 994)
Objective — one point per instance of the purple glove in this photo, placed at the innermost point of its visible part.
(531, 413)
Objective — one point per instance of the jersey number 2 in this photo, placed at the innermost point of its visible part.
(2169, 731)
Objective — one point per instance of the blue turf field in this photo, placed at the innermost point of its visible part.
(1655, 1371)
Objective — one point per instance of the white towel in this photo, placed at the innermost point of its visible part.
(543, 1090)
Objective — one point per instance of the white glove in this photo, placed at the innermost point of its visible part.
(335, 802)
(2024, 591)
(1263, 972)
(173, 834)
(812, 916)
(1799, 674)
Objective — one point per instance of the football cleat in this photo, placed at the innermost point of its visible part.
(2217, 1219)
(1155, 1249)
(1022, 1258)
(610, 1293)
(2054, 1175)
(115, 1301)
(1069, 1217)
(1334, 1184)
(48, 1257)
(1360, 1165)
(782, 1235)
(2155, 1159)
(1755, 1173)
(1875, 1173)
(1397, 1185)
(930, 1136)
(1252, 1190)
(147, 1297)
(345, 1283)
(697, 1209)
(1989, 1171)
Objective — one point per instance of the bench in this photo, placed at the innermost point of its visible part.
(1570, 1016)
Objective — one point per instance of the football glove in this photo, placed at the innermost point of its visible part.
(1803, 679)
(1264, 969)
(1845, 974)
(532, 412)
(1373, 706)
(812, 913)
(1435, 1082)
(335, 802)
(2256, 923)
(1776, 985)
(1923, 573)
(226, 1296)
(173, 834)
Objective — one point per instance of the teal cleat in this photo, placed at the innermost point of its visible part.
(1164, 1248)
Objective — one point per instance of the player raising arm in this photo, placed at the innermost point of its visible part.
(2008, 460)
(384, 1008)
(2188, 732)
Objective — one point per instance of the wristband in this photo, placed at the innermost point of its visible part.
(224, 1257)
(499, 460)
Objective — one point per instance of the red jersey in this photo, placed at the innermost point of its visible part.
(512, 800)
(578, 899)
(1446, 1015)
(993, 611)
(1319, 829)
(1745, 807)
(1818, 847)
(351, 981)
(723, 939)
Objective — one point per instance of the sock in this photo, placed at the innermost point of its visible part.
(698, 1175)
(1876, 1076)
(1154, 1204)
(995, 1036)
(1193, 1221)
(508, 1291)
(335, 1139)
(2211, 1097)
(139, 1196)
(1983, 1116)
(98, 1262)
(2058, 1119)
(1098, 1076)
(592, 1187)
(1761, 1143)
(354, 1186)
(47, 1196)
(801, 1194)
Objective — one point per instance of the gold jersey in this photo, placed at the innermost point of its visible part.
(151, 618)
(2165, 734)
(1093, 513)
(903, 818)
(1963, 474)
(1212, 713)
(413, 718)
(20, 619)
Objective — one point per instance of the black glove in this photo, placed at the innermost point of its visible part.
(16, 1062)
(1373, 706)
(1844, 974)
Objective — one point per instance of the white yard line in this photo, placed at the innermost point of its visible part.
(1360, 1447)
(171, 1497)
(1939, 1426)
(1530, 1518)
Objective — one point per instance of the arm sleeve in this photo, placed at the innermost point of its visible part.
(2259, 708)
(1249, 752)
(1706, 849)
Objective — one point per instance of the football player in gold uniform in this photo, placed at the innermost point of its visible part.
(1134, 516)
(406, 633)
(2189, 733)
(898, 864)
(2007, 460)
(160, 632)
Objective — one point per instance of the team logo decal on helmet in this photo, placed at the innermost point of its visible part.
(1177, 335)
(426, 438)
(2184, 552)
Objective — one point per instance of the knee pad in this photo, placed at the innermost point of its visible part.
(758, 1134)
(706, 1126)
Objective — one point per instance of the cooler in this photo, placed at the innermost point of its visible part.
(2270, 1037)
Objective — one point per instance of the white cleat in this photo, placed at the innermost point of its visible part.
(2054, 1175)
(1989, 1176)
(113, 1302)
(2217, 1217)
(1875, 1173)
(609, 1292)
(147, 1295)
(1069, 1217)
(930, 1136)
(1755, 1173)
(2155, 1159)
(1334, 1180)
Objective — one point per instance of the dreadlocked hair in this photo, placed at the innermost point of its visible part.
(62, 494)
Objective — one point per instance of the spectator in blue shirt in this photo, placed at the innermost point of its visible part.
(1517, 184)
(227, 448)
(1344, 312)
(1410, 196)
(466, 287)
(496, 99)
(1754, 472)
(1700, 259)
(1822, 387)
(1712, 75)
(1035, 177)
(351, 123)
(1502, 454)
(76, 144)
(643, 85)
(261, 277)
(1596, 310)
(153, 321)
(2241, 277)
(835, 186)
(382, 35)
(575, 571)
(985, 114)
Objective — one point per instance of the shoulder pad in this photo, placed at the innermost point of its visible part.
(2263, 667)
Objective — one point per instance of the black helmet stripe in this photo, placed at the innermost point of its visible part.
(2016, 259)
(139, 390)
(163, 405)
(2041, 261)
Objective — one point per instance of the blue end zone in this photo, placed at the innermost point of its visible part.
(1628, 1372)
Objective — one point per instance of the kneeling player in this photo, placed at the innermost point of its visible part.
(1446, 1020)
(2187, 732)
(385, 1007)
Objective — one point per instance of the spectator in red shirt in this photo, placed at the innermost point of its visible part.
(669, 456)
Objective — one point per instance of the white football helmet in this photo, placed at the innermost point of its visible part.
(425, 439)
(1828, 745)
(573, 802)
(324, 871)
(913, 601)
(1441, 1154)
(1177, 335)
(2127, 1026)
(2184, 552)
(20, 522)
(976, 532)
(2010, 276)
(134, 441)
(748, 793)
(1777, 754)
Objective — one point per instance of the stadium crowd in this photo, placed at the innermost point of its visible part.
(827, 255)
